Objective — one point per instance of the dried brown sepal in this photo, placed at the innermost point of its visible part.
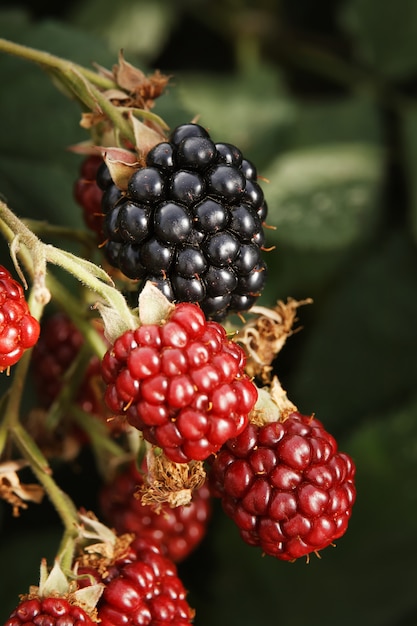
(264, 336)
(144, 90)
(102, 559)
(14, 492)
(100, 546)
(169, 483)
(273, 405)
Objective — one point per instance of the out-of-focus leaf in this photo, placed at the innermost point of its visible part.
(384, 34)
(366, 579)
(341, 120)
(38, 123)
(247, 110)
(361, 355)
(409, 137)
(140, 28)
(325, 197)
(22, 552)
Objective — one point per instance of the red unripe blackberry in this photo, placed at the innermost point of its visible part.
(177, 530)
(88, 194)
(141, 588)
(52, 611)
(182, 383)
(59, 344)
(193, 199)
(286, 486)
(19, 330)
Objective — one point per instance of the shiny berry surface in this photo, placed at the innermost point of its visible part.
(190, 190)
(186, 391)
(88, 194)
(141, 588)
(286, 486)
(49, 611)
(19, 330)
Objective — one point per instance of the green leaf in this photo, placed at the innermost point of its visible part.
(325, 197)
(250, 111)
(384, 35)
(360, 355)
(140, 28)
(345, 120)
(38, 122)
(409, 137)
(23, 551)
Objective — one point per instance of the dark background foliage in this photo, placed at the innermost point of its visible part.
(322, 96)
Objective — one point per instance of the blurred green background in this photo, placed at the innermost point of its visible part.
(322, 96)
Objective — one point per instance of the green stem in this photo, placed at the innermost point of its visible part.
(93, 277)
(86, 272)
(71, 382)
(20, 371)
(42, 228)
(17, 233)
(85, 85)
(24, 441)
(52, 62)
(40, 467)
(93, 99)
(97, 431)
(82, 321)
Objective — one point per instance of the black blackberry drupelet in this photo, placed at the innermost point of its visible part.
(191, 221)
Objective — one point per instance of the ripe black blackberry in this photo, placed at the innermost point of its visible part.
(191, 220)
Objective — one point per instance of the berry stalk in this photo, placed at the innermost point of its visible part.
(51, 62)
(86, 272)
(25, 443)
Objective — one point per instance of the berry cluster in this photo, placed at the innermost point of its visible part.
(182, 383)
(177, 530)
(286, 486)
(141, 587)
(19, 330)
(53, 611)
(191, 221)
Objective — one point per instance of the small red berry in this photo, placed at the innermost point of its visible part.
(142, 587)
(59, 344)
(182, 383)
(19, 330)
(88, 194)
(51, 611)
(177, 530)
(286, 486)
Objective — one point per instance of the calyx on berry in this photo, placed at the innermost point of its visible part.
(57, 597)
